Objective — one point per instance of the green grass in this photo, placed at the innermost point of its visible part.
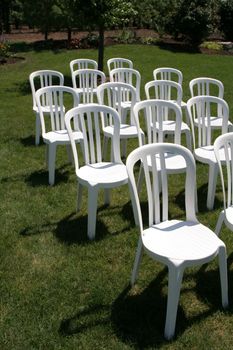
(57, 289)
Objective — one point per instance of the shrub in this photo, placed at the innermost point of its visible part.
(4, 49)
(190, 20)
(212, 45)
(127, 36)
(226, 18)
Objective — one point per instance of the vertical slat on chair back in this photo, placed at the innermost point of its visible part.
(114, 94)
(118, 62)
(129, 76)
(223, 145)
(88, 80)
(157, 195)
(166, 73)
(89, 117)
(202, 108)
(46, 78)
(152, 112)
(54, 95)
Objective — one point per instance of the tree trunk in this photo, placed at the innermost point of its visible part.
(69, 33)
(46, 34)
(101, 49)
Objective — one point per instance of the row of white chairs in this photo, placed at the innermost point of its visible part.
(175, 243)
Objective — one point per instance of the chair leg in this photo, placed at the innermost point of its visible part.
(219, 223)
(38, 129)
(92, 210)
(105, 147)
(79, 196)
(107, 197)
(51, 162)
(188, 139)
(140, 178)
(136, 262)
(213, 174)
(223, 275)
(174, 284)
(69, 154)
(124, 147)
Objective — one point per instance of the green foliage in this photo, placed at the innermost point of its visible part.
(149, 41)
(191, 20)
(226, 18)
(126, 36)
(212, 45)
(4, 49)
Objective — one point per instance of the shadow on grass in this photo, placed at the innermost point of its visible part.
(40, 178)
(70, 230)
(178, 47)
(40, 45)
(29, 141)
(202, 198)
(84, 319)
(140, 318)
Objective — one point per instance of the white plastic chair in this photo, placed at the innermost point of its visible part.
(170, 91)
(85, 82)
(118, 62)
(177, 244)
(168, 73)
(39, 79)
(200, 109)
(115, 95)
(96, 174)
(82, 63)
(54, 97)
(209, 87)
(224, 145)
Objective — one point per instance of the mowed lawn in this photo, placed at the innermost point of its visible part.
(58, 290)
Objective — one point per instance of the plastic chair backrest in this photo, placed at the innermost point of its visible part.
(114, 94)
(118, 62)
(87, 80)
(129, 76)
(55, 96)
(164, 90)
(167, 73)
(201, 108)
(224, 143)
(82, 63)
(148, 155)
(90, 118)
(206, 86)
(43, 78)
(152, 113)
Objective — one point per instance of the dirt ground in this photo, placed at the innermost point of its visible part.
(29, 35)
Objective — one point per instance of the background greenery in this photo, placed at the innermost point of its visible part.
(57, 289)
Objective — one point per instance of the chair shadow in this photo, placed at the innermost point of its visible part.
(139, 319)
(76, 324)
(40, 177)
(202, 197)
(70, 230)
(29, 141)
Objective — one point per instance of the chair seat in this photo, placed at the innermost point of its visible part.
(103, 174)
(174, 163)
(170, 126)
(206, 154)
(61, 136)
(126, 131)
(46, 109)
(229, 217)
(215, 122)
(181, 240)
